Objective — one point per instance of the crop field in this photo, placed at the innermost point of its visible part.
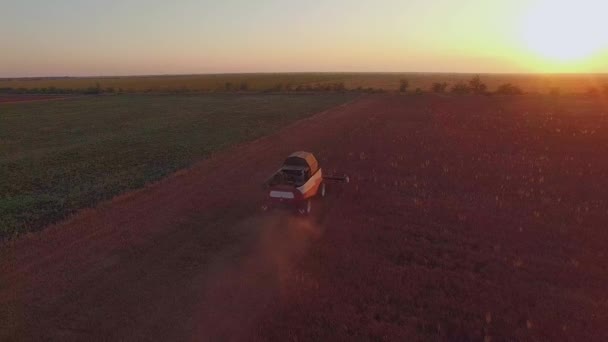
(29, 98)
(539, 83)
(59, 156)
(466, 218)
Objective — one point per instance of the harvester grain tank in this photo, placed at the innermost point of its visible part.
(298, 181)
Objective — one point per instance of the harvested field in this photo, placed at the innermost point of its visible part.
(467, 218)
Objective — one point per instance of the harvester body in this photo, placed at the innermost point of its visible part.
(297, 182)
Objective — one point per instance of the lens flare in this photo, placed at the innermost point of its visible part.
(566, 30)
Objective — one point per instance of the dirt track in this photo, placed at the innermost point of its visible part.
(466, 218)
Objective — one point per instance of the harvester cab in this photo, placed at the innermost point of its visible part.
(299, 179)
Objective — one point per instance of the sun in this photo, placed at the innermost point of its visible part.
(566, 31)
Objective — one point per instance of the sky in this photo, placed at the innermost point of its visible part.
(137, 37)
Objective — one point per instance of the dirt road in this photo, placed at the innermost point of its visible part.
(467, 217)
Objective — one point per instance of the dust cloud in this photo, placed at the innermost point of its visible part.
(245, 287)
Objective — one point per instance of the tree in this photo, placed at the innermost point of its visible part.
(555, 91)
(477, 86)
(592, 91)
(276, 88)
(606, 89)
(461, 88)
(508, 89)
(93, 90)
(403, 85)
(439, 87)
(244, 86)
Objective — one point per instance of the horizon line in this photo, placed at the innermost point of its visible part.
(302, 72)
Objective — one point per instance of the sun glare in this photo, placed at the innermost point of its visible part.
(566, 31)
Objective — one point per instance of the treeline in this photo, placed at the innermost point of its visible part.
(473, 86)
(287, 87)
(593, 91)
(97, 89)
(226, 87)
(476, 86)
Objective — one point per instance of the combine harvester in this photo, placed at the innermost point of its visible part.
(298, 181)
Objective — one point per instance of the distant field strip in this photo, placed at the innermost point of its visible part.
(57, 157)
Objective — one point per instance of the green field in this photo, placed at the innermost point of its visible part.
(541, 83)
(59, 156)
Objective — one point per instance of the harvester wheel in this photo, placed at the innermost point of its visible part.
(307, 209)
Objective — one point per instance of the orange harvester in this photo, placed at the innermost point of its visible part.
(298, 181)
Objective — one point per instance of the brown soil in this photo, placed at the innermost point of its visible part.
(466, 218)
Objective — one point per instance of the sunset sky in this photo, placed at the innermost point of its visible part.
(128, 37)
